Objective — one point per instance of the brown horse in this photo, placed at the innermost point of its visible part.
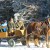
(36, 29)
(46, 31)
(48, 38)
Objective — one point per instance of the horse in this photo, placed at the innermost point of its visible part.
(37, 29)
(34, 28)
(48, 38)
(47, 32)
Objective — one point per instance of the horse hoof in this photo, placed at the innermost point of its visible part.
(28, 46)
(37, 45)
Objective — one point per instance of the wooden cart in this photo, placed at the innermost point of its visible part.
(13, 37)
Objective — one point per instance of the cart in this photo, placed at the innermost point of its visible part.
(13, 37)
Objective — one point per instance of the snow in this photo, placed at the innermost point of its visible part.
(19, 46)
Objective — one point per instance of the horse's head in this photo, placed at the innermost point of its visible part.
(44, 28)
(36, 27)
(33, 25)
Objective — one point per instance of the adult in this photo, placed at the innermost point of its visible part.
(11, 25)
(4, 25)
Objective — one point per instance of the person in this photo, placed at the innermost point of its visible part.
(11, 25)
(0, 27)
(4, 25)
(19, 24)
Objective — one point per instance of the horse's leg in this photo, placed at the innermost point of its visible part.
(27, 41)
(47, 39)
(36, 41)
(27, 38)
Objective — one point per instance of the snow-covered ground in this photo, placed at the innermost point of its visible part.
(19, 46)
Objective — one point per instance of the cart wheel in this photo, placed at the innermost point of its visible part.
(23, 42)
(11, 42)
(0, 41)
